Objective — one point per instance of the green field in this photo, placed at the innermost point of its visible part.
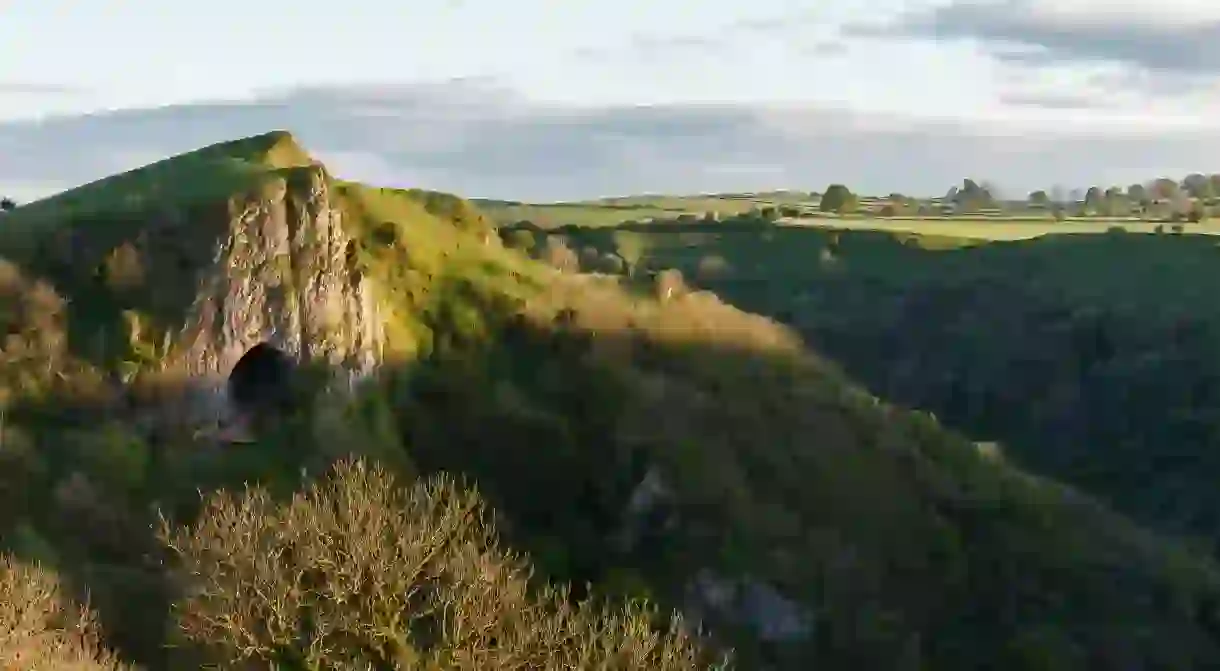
(613, 211)
(992, 229)
(644, 209)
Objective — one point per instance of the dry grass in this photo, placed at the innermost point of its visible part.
(41, 629)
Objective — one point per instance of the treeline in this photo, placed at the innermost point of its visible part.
(1193, 198)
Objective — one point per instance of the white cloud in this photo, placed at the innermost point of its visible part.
(1173, 36)
(477, 138)
(1156, 58)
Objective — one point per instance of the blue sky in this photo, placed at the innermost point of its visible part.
(911, 95)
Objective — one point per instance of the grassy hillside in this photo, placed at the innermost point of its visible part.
(555, 394)
(211, 173)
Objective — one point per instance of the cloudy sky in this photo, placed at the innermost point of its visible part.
(544, 100)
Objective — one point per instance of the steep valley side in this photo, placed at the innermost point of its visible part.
(637, 439)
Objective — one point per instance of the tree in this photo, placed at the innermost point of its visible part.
(556, 252)
(1203, 190)
(1196, 184)
(1181, 203)
(972, 197)
(1039, 199)
(1137, 193)
(374, 575)
(1165, 188)
(1115, 202)
(7, 204)
(1093, 198)
(520, 238)
(992, 190)
(838, 198)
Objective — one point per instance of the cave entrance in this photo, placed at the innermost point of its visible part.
(261, 382)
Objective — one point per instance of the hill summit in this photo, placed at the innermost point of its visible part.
(206, 255)
(636, 438)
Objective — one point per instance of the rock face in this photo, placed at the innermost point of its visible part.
(284, 274)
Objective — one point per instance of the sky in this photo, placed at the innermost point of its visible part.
(542, 100)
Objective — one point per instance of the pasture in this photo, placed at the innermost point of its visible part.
(611, 212)
(992, 229)
(614, 211)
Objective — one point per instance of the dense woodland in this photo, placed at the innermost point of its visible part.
(1090, 358)
(475, 505)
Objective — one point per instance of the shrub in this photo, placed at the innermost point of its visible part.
(612, 264)
(356, 573)
(590, 258)
(713, 266)
(668, 283)
(557, 253)
(838, 198)
(42, 630)
(520, 238)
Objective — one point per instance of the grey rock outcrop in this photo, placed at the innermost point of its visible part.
(283, 273)
(707, 594)
(774, 617)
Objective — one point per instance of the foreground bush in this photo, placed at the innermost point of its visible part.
(41, 629)
(356, 573)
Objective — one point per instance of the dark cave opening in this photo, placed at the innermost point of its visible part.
(261, 381)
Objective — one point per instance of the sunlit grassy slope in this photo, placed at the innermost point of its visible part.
(210, 173)
(556, 393)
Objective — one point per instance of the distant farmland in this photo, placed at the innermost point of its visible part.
(993, 229)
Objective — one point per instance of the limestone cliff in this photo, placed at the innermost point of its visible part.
(283, 274)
